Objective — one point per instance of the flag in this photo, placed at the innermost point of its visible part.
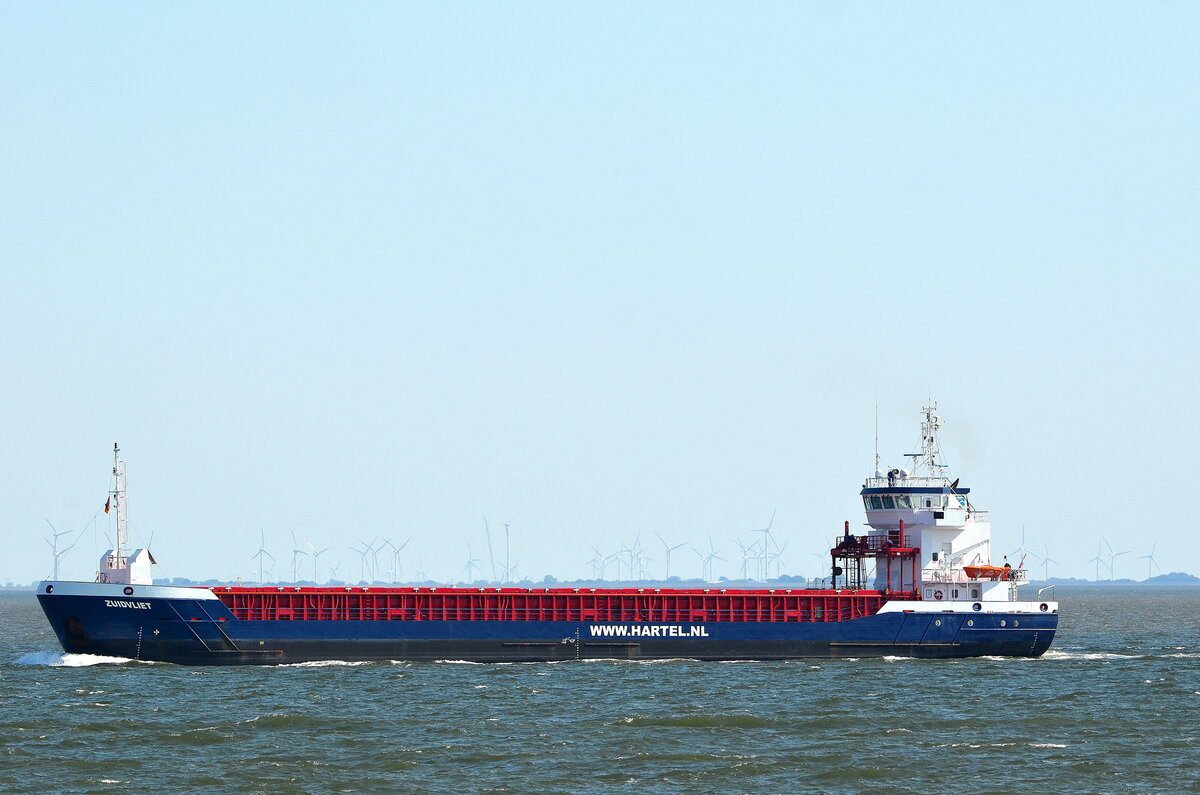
(106, 502)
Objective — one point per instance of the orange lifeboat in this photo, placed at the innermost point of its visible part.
(987, 572)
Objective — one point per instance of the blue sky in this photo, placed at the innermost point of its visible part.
(599, 271)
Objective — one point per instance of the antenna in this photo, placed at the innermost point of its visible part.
(116, 498)
(877, 429)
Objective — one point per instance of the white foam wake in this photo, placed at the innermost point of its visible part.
(57, 659)
(1067, 655)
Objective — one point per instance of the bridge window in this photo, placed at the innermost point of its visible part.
(876, 503)
(903, 501)
(888, 502)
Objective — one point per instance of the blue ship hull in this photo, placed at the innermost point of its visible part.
(205, 632)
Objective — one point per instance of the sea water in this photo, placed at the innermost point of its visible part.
(1114, 706)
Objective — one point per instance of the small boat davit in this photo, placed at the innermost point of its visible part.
(918, 583)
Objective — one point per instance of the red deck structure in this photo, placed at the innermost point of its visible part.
(550, 604)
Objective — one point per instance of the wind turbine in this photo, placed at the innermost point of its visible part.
(470, 567)
(1021, 550)
(362, 555)
(315, 554)
(616, 556)
(777, 558)
(1111, 556)
(487, 531)
(634, 552)
(1098, 560)
(262, 552)
(642, 560)
(296, 553)
(373, 551)
(748, 554)
(1047, 560)
(706, 561)
(767, 541)
(54, 545)
(396, 550)
(596, 562)
(668, 549)
(1150, 561)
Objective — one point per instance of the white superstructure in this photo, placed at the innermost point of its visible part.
(918, 508)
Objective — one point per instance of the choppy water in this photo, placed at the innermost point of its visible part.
(1113, 707)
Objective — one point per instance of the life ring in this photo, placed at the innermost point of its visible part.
(938, 594)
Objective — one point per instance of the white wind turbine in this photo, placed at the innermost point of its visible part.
(706, 561)
(296, 554)
(667, 550)
(1098, 560)
(768, 541)
(1150, 561)
(470, 567)
(315, 555)
(54, 545)
(262, 552)
(1046, 561)
(1112, 556)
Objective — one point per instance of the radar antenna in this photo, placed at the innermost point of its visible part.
(926, 461)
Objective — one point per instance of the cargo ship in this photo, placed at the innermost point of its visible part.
(919, 582)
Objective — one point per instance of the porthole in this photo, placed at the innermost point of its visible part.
(1002, 622)
(977, 607)
(970, 622)
(128, 591)
(1044, 607)
(49, 589)
(1016, 623)
(937, 622)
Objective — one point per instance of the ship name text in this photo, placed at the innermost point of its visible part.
(127, 604)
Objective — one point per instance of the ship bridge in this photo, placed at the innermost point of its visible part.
(921, 519)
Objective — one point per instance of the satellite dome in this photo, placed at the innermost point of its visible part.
(903, 473)
(878, 474)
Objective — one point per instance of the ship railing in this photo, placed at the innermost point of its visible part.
(906, 483)
(877, 543)
(959, 576)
